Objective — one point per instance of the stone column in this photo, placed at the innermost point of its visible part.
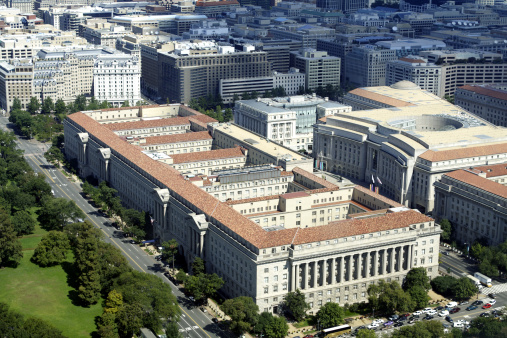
(315, 282)
(349, 272)
(339, 277)
(324, 273)
(333, 271)
(374, 264)
(384, 261)
(410, 260)
(391, 265)
(201, 245)
(359, 266)
(399, 258)
(367, 265)
(305, 276)
(295, 278)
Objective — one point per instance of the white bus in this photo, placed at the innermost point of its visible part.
(335, 331)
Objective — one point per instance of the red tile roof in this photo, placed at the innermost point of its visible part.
(486, 91)
(253, 199)
(312, 177)
(220, 214)
(470, 151)
(175, 138)
(296, 194)
(359, 226)
(173, 121)
(208, 155)
(479, 182)
(493, 170)
(390, 202)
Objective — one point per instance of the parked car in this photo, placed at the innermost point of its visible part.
(455, 310)
(459, 325)
(214, 320)
(428, 317)
(445, 253)
(417, 313)
(373, 326)
(308, 336)
(432, 312)
(443, 313)
(132, 241)
(402, 319)
(462, 321)
(426, 310)
(449, 319)
(451, 305)
(394, 317)
(487, 306)
(478, 302)
(471, 307)
(439, 308)
(378, 320)
(464, 302)
(484, 314)
(398, 324)
(389, 323)
(411, 320)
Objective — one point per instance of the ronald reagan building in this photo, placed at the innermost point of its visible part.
(252, 209)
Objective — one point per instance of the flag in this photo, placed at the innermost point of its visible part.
(371, 187)
(318, 162)
(379, 181)
(376, 190)
(372, 179)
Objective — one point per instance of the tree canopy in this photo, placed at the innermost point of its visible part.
(389, 297)
(296, 304)
(417, 277)
(57, 212)
(10, 246)
(52, 249)
(243, 312)
(331, 314)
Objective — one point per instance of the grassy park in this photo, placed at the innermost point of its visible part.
(46, 293)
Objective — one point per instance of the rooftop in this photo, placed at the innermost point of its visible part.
(208, 155)
(493, 170)
(187, 137)
(486, 90)
(477, 181)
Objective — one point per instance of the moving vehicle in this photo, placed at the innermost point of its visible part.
(337, 331)
(449, 319)
(478, 302)
(492, 295)
(451, 305)
(492, 301)
(432, 312)
(455, 310)
(485, 280)
(476, 281)
(394, 317)
(487, 306)
(443, 313)
(471, 307)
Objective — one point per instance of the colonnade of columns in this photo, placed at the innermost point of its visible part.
(350, 267)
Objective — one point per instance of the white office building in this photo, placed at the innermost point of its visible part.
(117, 78)
(291, 81)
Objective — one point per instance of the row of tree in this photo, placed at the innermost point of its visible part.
(493, 259)
(212, 106)
(136, 223)
(455, 288)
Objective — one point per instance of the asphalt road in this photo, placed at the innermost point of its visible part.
(193, 322)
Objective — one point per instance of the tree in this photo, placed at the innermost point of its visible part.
(429, 329)
(443, 285)
(33, 105)
(172, 331)
(487, 268)
(417, 277)
(125, 103)
(464, 289)
(331, 314)
(52, 249)
(56, 212)
(106, 325)
(366, 333)
(389, 297)
(243, 312)
(48, 106)
(419, 296)
(276, 328)
(263, 321)
(170, 249)
(181, 276)
(16, 104)
(203, 285)
(296, 304)
(60, 107)
(23, 223)
(113, 302)
(87, 264)
(197, 266)
(79, 104)
(10, 246)
(445, 225)
(228, 115)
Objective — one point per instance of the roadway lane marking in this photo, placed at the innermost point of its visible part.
(39, 165)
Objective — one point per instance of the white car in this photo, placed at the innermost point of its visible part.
(417, 313)
(456, 324)
(432, 312)
(443, 313)
(373, 326)
(451, 305)
(379, 321)
(426, 310)
(462, 321)
(492, 301)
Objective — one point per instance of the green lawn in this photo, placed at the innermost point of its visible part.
(44, 292)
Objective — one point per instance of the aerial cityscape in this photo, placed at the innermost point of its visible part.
(253, 168)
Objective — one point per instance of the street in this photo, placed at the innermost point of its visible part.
(193, 322)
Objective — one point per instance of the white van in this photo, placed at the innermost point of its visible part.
(451, 305)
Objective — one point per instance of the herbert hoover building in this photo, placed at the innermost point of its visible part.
(252, 209)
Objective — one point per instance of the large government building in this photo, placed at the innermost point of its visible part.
(267, 225)
(403, 139)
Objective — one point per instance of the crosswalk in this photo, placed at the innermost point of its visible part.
(190, 328)
(496, 288)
